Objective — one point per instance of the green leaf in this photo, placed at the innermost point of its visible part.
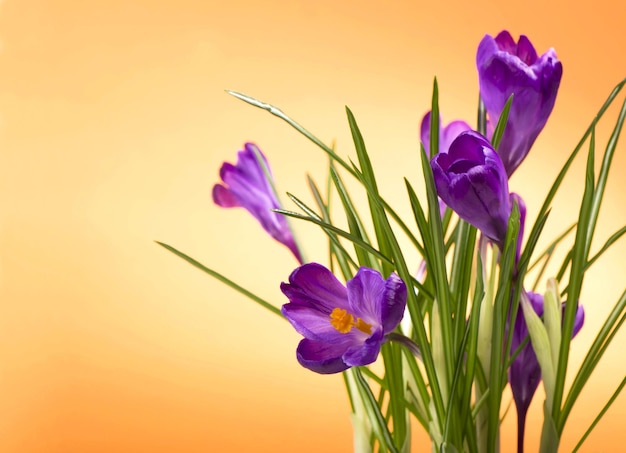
(579, 258)
(334, 229)
(461, 276)
(541, 345)
(434, 120)
(614, 321)
(374, 415)
(500, 310)
(502, 122)
(437, 263)
(481, 122)
(336, 250)
(603, 177)
(549, 434)
(547, 254)
(601, 414)
(355, 224)
(223, 279)
(614, 237)
(416, 381)
(472, 346)
(370, 179)
(559, 179)
(552, 318)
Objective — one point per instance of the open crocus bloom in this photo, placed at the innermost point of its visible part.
(246, 185)
(343, 326)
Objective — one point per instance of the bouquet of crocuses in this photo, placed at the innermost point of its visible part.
(454, 328)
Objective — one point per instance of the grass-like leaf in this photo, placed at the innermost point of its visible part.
(600, 415)
(338, 231)
(336, 249)
(579, 258)
(367, 172)
(500, 311)
(498, 132)
(546, 255)
(223, 279)
(559, 179)
(375, 416)
(355, 225)
(603, 177)
(614, 321)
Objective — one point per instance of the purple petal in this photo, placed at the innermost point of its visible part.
(378, 302)
(365, 295)
(526, 51)
(324, 358)
(506, 42)
(525, 372)
(365, 353)
(313, 285)
(312, 323)
(425, 132)
(536, 301)
(251, 168)
(393, 303)
(246, 185)
(451, 132)
(579, 320)
(224, 197)
(447, 134)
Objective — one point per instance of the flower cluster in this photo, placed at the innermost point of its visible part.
(345, 325)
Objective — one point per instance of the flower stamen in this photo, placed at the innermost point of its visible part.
(343, 322)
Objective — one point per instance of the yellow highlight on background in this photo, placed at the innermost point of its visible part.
(113, 125)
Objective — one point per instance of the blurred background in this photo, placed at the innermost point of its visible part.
(113, 125)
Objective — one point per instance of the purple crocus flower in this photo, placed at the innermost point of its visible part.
(525, 372)
(505, 68)
(447, 134)
(246, 185)
(343, 326)
(471, 179)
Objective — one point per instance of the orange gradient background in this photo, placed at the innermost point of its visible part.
(113, 124)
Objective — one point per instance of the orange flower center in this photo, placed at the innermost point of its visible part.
(343, 321)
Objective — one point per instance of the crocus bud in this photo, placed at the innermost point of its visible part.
(505, 68)
(447, 133)
(471, 179)
(246, 185)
